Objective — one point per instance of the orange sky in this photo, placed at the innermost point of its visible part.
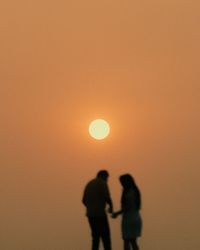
(64, 63)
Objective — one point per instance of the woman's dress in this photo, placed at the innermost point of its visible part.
(131, 219)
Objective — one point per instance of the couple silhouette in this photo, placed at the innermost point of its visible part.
(96, 198)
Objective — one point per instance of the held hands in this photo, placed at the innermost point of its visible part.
(114, 215)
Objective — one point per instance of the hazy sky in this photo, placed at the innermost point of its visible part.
(65, 63)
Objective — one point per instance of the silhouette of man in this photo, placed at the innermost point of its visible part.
(95, 197)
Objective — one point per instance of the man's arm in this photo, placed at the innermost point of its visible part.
(108, 199)
(110, 209)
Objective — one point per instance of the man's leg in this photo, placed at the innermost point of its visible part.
(94, 225)
(105, 233)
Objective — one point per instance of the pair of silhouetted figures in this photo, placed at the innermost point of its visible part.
(97, 196)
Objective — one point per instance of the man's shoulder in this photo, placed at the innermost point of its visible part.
(96, 182)
(91, 182)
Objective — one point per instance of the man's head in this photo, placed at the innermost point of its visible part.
(103, 174)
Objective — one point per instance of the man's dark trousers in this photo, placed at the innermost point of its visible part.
(100, 230)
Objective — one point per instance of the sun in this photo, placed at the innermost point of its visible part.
(99, 129)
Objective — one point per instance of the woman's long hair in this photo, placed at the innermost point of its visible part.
(128, 183)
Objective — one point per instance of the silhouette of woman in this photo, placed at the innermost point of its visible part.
(130, 210)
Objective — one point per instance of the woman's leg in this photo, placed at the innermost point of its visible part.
(127, 245)
(134, 244)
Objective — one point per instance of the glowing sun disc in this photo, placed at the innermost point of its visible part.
(99, 129)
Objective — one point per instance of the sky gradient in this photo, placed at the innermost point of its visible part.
(65, 63)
